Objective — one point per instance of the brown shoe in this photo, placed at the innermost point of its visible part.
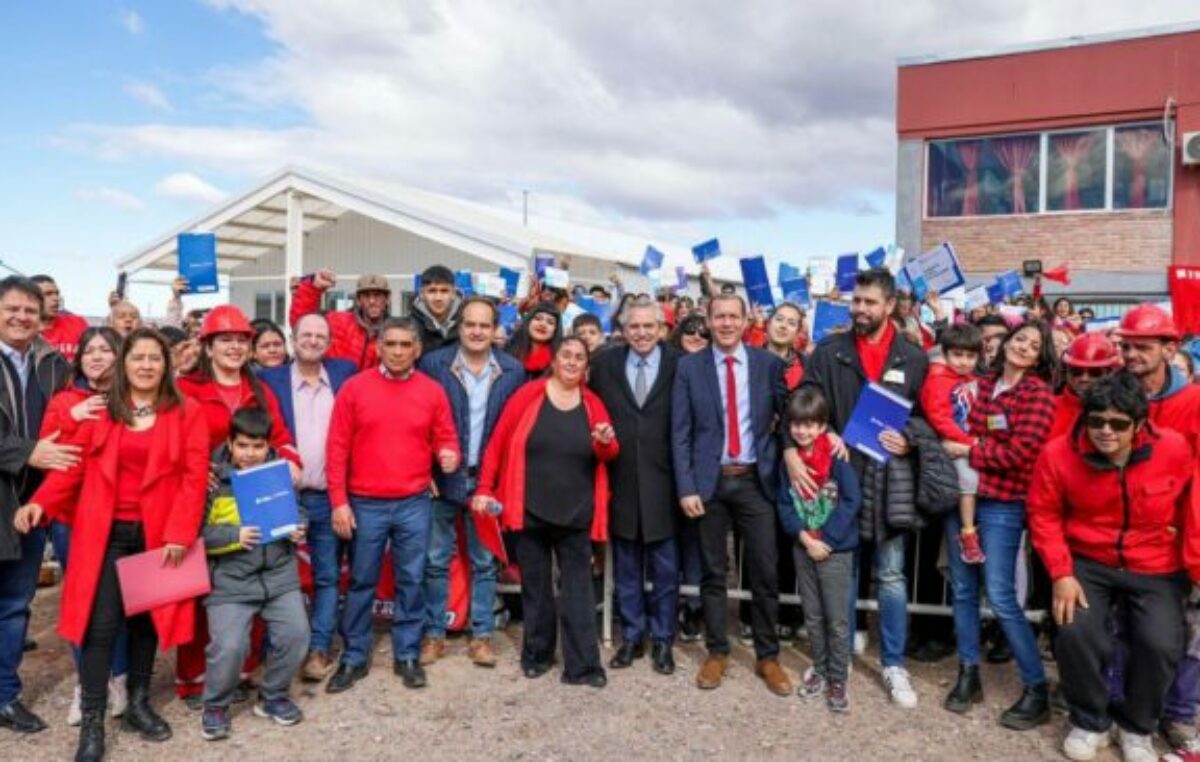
(773, 675)
(480, 652)
(316, 667)
(713, 671)
(432, 649)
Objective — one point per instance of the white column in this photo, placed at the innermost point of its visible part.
(293, 253)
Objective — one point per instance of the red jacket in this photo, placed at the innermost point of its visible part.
(1141, 518)
(944, 403)
(63, 333)
(385, 434)
(172, 505)
(502, 473)
(1067, 408)
(58, 413)
(1178, 408)
(349, 337)
(1010, 430)
(217, 416)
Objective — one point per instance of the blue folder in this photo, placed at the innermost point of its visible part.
(828, 316)
(795, 290)
(995, 292)
(758, 286)
(541, 262)
(266, 499)
(652, 260)
(508, 316)
(705, 251)
(198, 262)
(847, 268)
(512, 281)
(877, 410)
(788, 272)
(1010, 283)
(877, 257)
(463, 282)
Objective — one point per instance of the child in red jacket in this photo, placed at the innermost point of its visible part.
(946, 397)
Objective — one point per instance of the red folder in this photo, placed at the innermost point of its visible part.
(147, 584)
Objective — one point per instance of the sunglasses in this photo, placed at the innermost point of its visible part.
(697, 332)
(1118, 425)
(1092, 372)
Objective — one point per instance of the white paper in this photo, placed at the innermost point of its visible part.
(940, 267)
(553, 277)
(976, 297)
(490, 285)
(822, 274)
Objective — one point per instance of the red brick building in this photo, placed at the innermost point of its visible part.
(1067, 151)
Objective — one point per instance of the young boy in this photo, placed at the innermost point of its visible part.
(589, 328)
(825, 525)
(947, 396)
(249, 579)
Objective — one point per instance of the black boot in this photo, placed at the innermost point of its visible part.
(91, 737)
(966, 691)
(1031, 710)
(141, 718)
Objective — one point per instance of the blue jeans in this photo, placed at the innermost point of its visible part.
(892, 595)
(405, 523)
(443, 543)
(60, 540)
(18, 583)
(326, 551)
(1000, 526)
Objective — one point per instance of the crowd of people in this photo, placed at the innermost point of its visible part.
(413, 441)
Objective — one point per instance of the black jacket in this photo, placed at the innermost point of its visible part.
(643, 504)
(434, 336)
(17, 480)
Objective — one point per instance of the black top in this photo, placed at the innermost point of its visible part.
(560, 468)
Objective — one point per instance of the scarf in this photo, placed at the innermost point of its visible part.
(538, 359)
(819, 461)
(814, 509)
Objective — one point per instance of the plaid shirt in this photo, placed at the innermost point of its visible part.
(1010, 430)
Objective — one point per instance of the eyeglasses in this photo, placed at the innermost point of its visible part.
(1117, 425)
(696, 332)
(1091, 372)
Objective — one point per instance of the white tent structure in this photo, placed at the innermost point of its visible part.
(298, 222)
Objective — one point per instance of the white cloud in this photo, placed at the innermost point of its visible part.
(148, 95)
(189, 187)
(132, 21)
(101, 194)
(662, 111)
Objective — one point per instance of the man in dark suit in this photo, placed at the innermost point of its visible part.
(725, 406)
(634, 381)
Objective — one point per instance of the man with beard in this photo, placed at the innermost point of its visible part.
(356, 331)
(843, 363)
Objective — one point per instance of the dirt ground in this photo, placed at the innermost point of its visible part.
(468, 713)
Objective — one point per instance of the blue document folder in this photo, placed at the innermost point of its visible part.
(847, 268)
(198, 262)
(795, 290)
(995, 292)
(464, 283)
(876, 258)
(508, 316)
(758, 286)
(266, 499)
(541, 262)
(652, 260)
(877, 410)
(512, 281)
(1010, 283)
(828, 316)
(788, 272)
(705, 251)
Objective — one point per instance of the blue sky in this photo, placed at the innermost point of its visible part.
(123, 120)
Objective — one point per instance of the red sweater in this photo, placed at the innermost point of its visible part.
(384, 436)
(1142, 518)
(502, 473)
(946, 398)
(63, 333)
(218, 417)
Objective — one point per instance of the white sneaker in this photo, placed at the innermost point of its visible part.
(1136, 747)
(75, 713)
(900, 687)
(860, 643)
(118, 696)
(1082, 745)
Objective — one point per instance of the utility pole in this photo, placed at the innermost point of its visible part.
(525, 208)
(11, 269)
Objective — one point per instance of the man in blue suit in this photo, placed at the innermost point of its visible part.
(305, 389)
(726, 403)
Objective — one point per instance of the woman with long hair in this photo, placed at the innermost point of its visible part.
(691, 334)
(536, 339)
(139, 487)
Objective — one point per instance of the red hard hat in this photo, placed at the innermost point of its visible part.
(1148, 321)
(225, 318)
(1093, 350)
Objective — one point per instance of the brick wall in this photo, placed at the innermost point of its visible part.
(1102, 241)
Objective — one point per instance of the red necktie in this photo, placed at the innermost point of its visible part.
(731, 410)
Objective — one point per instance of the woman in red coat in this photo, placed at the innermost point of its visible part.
(143, 475)
(545, 465)
(221, 384)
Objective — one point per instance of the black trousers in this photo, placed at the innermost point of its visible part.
(1156, 638)
(108, 611)
(739, 502)
(537, 547)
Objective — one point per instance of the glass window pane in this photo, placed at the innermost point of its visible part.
(1075, 177)
(1141, 168)
(262, 305)
(280, 305)
(983, 176)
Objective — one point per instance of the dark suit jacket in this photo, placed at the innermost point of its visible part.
(643, 505)
(698, 421)
(280, 382)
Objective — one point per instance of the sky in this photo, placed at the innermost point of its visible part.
(768, 124)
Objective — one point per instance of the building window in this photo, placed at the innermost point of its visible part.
(1121, 167)
(269, 305)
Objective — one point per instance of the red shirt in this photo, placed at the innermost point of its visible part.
(131, 472)
(384, 435)
(63, 333)
(230, 395)
(873, 354)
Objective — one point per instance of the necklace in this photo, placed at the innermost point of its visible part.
(142, 411)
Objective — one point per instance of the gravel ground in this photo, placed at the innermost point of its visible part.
(468, 713)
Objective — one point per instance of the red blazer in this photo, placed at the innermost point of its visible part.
(58, 413)
(502, 473)
(172, 506)
(217, 416)
(349, 339)
(1143, 518)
